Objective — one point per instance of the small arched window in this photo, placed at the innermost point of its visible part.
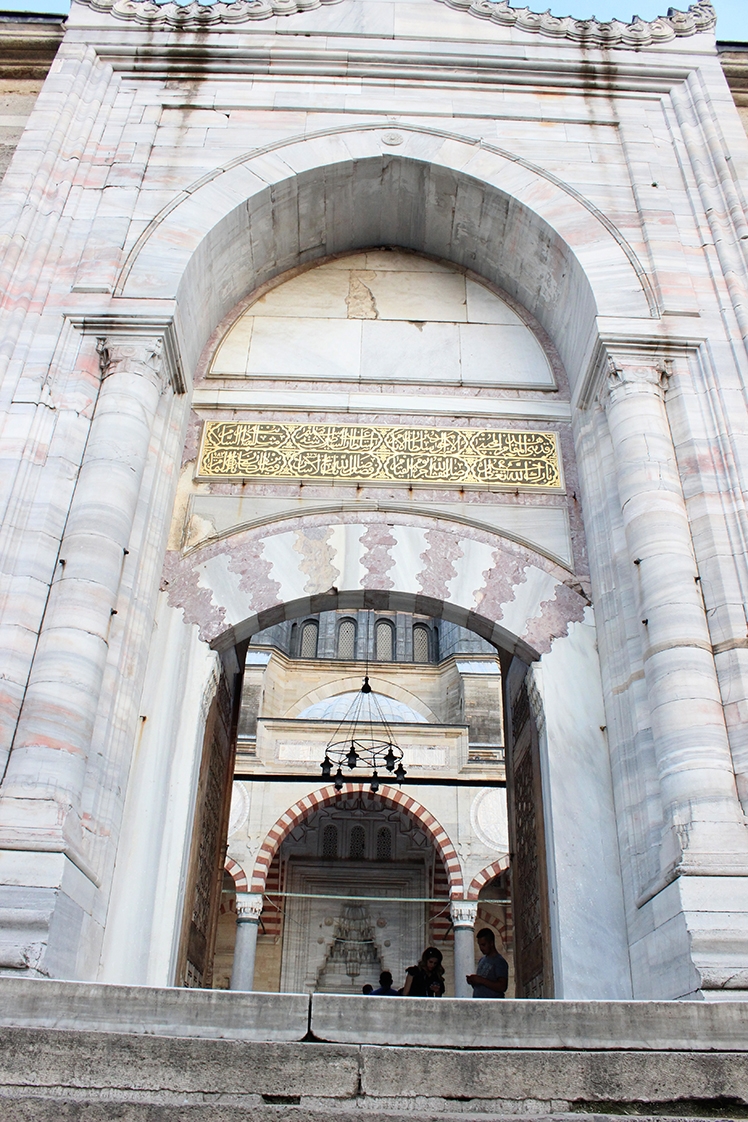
(421, 643)
(309, 634)
(347, 639)
(384, 641)
(330, 841)
(357, 849)
(384, 844)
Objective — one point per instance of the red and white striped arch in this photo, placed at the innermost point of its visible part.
(485, 875)
(389, 796)
(234, 869)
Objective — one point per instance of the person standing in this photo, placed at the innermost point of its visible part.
(385, 986)
(427, 978)
(492, 972)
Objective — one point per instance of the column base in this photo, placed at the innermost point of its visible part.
(694, 941)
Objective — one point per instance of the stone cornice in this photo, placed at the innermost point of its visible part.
(592, 32)
(589, 33)
(28, 47)
(195, 14)
(131, 329)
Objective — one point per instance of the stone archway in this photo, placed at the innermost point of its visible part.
(501, 584)
(505, 592)
(304, 884)
(481, 879)
(389, 796)
(568, 263)
(522, 601)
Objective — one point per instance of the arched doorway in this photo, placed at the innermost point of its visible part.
(354, 850)
(463, 761)
(270, 533)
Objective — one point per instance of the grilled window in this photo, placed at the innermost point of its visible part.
(309, 634)
(357, 850)
(384, 641)
(330, 841)
(421, 643)
(384, 844)
(347, 639)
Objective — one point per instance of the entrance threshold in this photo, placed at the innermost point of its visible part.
(353, 1019)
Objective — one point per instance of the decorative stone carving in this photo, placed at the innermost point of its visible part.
(248, 907)
(488, 817)
(193, 14)
(592, 32)
(463, 912)
(620, 377)
(143, 356)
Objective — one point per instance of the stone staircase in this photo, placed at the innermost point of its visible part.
(77, 1052)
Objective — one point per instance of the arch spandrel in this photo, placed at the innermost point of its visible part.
(239, 585)
(439, 194)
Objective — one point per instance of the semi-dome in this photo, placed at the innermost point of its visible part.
(336, 708)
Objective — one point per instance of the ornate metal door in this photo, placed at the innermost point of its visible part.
(533, 963)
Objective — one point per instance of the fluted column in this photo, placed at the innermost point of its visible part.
(703, 830)
(39, 797)
(464, 914)
(248, 912)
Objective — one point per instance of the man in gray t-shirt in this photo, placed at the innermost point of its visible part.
(492, 972)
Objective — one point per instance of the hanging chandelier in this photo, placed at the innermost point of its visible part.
(363, 739)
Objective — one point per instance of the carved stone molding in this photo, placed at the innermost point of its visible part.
(149, 342)
(623, 379)
(592, 32)
(202, 14)
(248, 907)
(463, 912)
(142, 356)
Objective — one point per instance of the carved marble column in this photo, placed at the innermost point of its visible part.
(464, 913)
(248, 912)
(40, 794)
(704, 831)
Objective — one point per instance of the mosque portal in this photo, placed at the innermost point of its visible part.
(360, 884)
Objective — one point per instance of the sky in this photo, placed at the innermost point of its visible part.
(732, 15)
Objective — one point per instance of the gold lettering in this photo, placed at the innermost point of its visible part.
(378, 453)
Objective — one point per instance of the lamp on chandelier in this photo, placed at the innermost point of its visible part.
(363, 739)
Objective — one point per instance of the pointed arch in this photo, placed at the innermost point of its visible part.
(236, 872)
(389, 796)
(481, 879)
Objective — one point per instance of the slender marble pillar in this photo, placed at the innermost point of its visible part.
(704, 830)
(248, 912)
(464, 913)
(44, 779)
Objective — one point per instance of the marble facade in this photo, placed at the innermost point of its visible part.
(416, 214)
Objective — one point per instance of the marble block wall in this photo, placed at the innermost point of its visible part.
(177, 164)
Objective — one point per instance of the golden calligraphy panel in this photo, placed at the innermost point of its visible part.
(381, 454)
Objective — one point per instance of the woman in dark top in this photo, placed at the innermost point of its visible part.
(427, 978)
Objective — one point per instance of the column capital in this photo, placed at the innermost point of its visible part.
(137, 354)
(625, 376)
(463, 912)
(248, 907)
